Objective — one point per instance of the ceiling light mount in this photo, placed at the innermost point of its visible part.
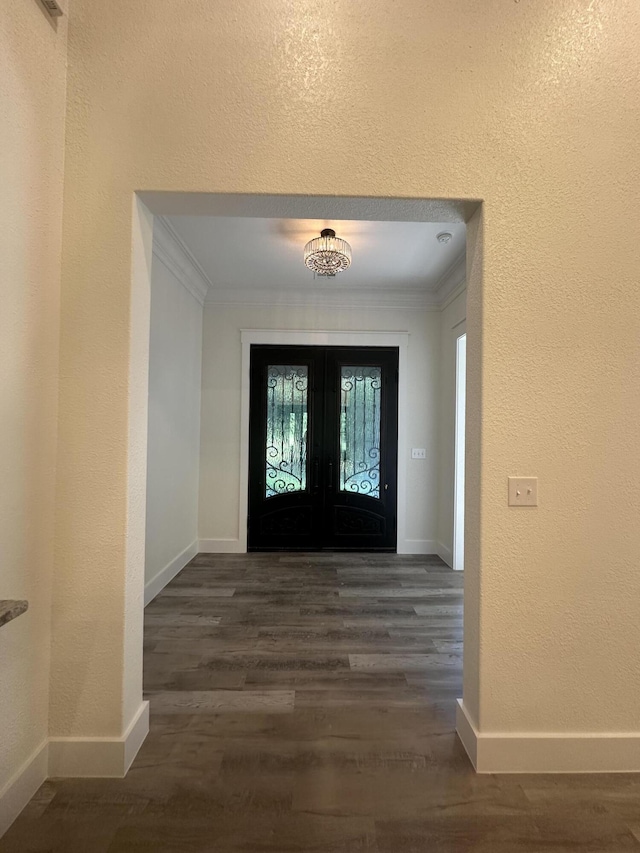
(327, 254)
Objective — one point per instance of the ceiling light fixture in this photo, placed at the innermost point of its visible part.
(327, 254)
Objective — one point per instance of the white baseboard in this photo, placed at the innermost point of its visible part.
(543, 752)
(222, 546)
(135, 735)
(467, 733)
(417, 546)
(99, 757)
(164, 576)
(445, 554)
(236, 546)
(22, 786)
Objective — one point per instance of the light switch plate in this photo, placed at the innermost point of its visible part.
(418, 453)
(523, 491)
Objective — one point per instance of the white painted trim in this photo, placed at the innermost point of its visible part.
(327, 298)
(459, 447)
(155, 586)
(457, 291)
(419, 546)
(451, 281)
(174, 253)
(548, 752)
(136, 735)
(467, 733)
(222, 546)
(277, 337)
(22, 786)
(101, 757)
(444, 553)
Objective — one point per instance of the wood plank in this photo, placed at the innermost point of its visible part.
(307, 702)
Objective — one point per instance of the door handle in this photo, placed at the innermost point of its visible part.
(315, 474)
(330, 474)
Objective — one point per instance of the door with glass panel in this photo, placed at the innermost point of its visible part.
(323, 448)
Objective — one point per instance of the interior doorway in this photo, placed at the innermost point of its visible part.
(323, 450)
(313, 320)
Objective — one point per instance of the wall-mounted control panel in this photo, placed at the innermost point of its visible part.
(523, 491)
(418, 453)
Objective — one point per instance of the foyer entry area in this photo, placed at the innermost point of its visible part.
(305, 702)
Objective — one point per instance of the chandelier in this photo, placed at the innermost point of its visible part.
(327, 254)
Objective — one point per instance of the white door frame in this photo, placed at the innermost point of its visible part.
(459, 447)
(277, 337)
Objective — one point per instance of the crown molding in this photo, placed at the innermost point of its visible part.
(451, 280)
(173, 252)
(448, 287)
(453, 295)
(319, 298)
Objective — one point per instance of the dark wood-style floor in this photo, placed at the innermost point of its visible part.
(305, 702)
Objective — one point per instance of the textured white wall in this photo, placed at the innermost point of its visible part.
(173, 447)
(450, 317)
(221, 385)
(32, 98)
(531, 107)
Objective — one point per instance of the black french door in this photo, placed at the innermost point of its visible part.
(323, 440)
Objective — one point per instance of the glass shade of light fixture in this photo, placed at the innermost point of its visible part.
(327, 254)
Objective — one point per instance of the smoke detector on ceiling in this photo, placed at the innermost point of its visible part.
(53, 8)
(444, 236)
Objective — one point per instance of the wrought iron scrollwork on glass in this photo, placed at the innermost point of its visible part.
(360, 395)
(286, 439)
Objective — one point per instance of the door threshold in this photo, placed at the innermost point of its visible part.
(322, 551)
